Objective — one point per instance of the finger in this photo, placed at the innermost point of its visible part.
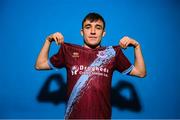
(50, 39)
(122, 45)
(123, 42)
(59, 35)
(57, 40)
(60, 38)
(54, 38)
(126, 43)
(62, 41)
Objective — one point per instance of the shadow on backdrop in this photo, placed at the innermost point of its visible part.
(125, 102)
(118, 100)
(55, 97)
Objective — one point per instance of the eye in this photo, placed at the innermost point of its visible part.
(99, 27)
(87, 27)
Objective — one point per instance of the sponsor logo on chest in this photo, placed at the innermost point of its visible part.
(88, 70)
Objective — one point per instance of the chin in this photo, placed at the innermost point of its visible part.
(93, 45)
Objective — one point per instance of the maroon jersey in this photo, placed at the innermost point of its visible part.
(89, 74)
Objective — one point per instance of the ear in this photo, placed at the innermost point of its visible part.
(82, 32)
(104, 33)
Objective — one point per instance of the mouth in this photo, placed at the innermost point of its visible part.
(92, 37)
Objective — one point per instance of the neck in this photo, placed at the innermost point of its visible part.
(91, 47)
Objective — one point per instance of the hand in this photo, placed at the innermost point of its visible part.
(57, 37)
(126, 41)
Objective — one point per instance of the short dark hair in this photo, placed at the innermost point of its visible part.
(93, 17)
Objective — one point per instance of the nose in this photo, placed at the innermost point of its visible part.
(93, 31)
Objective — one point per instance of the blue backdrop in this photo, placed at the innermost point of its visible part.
(24, 25)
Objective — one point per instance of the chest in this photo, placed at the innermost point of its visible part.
(92, 60)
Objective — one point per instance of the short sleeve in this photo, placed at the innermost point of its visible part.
(57, 60)
(122, 63)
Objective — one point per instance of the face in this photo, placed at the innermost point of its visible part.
(92, 33)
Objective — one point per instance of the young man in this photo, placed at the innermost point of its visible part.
(90, 68)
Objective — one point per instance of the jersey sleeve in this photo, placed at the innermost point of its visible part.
(122, 63)
(58, 60)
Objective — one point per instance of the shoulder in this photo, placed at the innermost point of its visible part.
(117, 48)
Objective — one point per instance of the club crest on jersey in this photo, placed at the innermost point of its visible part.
(75, 54)
(102, 54)
(74, 69)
